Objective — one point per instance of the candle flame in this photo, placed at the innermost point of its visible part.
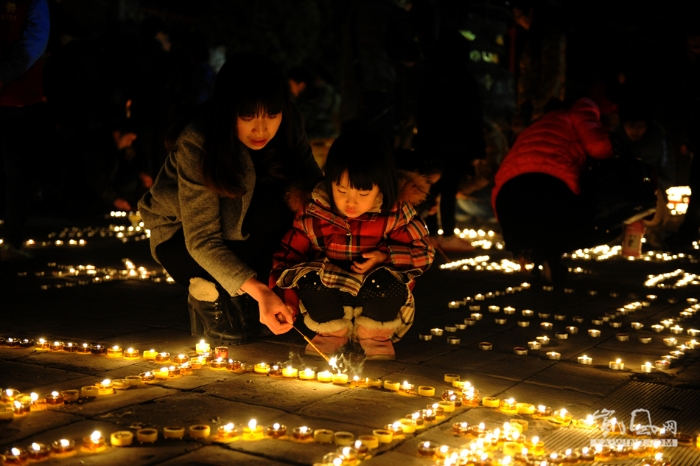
(276, 426)
(482, 426)
(18, 404)
(106, 382)
(228, 427)
(303, 429)
(358, 444)
(95, 436)
(618, 360)
(568, 452)
(54, 393)
(201, 342)
(42, 341)
(584, 450)
(337, 462)
(147, 374)
(16, 451)
(535, 440)
(426, 445)
(252, 424)
(64, 443)
(163, 354)
(36, 446)
(346, 451)
(85, 345)
(34, 396)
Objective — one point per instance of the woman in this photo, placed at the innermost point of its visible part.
(216, 210)
(537, 192)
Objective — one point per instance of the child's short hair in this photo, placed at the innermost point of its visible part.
(367, 157)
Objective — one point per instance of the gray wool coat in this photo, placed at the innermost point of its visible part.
(178, 200)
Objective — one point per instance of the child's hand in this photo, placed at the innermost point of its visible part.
(373, 258)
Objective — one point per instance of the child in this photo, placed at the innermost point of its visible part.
(355, 249)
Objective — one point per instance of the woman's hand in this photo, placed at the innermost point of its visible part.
(273, 312)
(373, 258)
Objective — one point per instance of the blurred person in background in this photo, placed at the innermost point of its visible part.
(24, 35)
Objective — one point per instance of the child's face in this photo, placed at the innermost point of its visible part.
(353, 202)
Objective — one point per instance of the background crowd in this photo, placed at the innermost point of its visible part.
(85, 109)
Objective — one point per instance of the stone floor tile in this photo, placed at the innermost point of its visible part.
(368, 407)
(596, 380)
(576, 402)
(501, 364)
(214, 454)
(22, 376)
(84, 363)
(23, 427)
(262, 390)
(188, 409)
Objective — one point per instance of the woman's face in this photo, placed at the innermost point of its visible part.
(255, 131)
(353, 202)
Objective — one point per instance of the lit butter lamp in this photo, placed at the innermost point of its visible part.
(63, 448)
(277, 431)
(95, 443)
(16, 456)
(253, 431)
(38, 452)
(226, 433)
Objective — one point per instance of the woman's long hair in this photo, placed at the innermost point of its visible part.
(247, 84)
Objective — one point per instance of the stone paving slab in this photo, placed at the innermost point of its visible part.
(508, 365)
(369, 407)
(84, 363)
(21, 376)
(214, 454)
(188, 409)
(262, 390)
(594, 380)
(32, 424)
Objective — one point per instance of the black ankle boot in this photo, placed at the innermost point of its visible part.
(244, 309)
(211, 319)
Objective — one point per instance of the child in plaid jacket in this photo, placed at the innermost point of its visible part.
(349, 262)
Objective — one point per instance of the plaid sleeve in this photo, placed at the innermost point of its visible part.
(408, 246)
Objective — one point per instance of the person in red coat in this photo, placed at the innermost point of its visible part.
(355, 249)
(537, 192)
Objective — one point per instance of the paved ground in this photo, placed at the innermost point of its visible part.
(40, 298)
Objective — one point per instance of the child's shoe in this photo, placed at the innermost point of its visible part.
(376, 342)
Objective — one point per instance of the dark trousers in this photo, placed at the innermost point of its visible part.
(381, 297)
(177, 261)
(541, 218)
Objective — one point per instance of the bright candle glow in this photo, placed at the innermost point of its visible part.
(253, 424)
(95, 436)
(36, 447)
(64, 443)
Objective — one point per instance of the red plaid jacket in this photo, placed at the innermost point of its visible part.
(322, 240)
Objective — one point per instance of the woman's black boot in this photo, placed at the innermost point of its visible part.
(209, 314)
(245, 310)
